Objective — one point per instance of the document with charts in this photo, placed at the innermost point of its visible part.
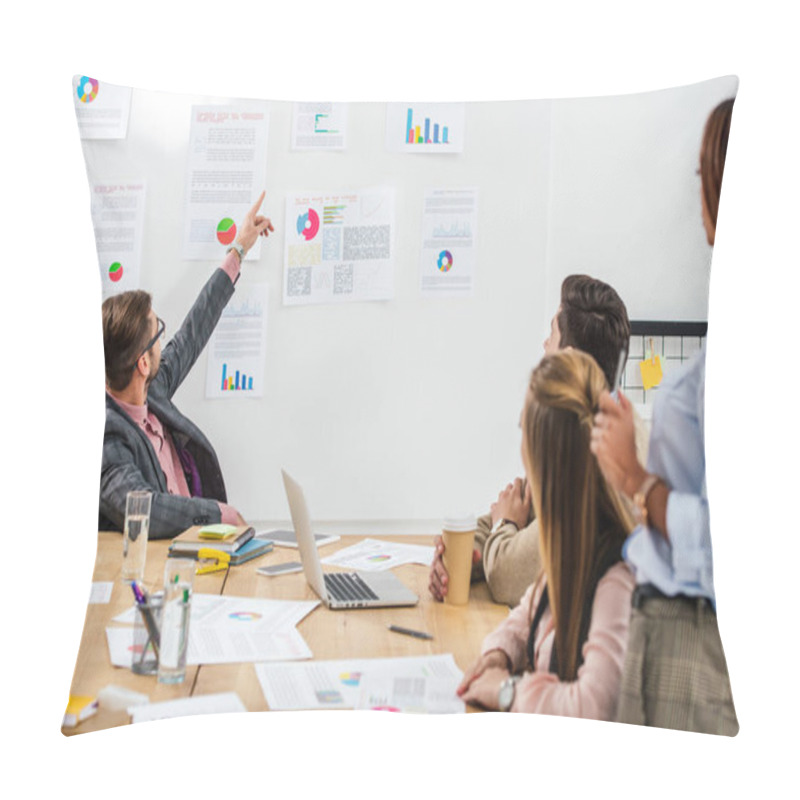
(339, 247)
(449, 224)
(425, 127)
(338, 684)
(226, 172)
(118, 220)
(102, 109)
(319, 126)
(237, 348)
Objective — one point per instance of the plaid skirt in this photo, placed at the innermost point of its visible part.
(675, 673)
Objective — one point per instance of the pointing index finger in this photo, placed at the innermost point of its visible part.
(257, 205)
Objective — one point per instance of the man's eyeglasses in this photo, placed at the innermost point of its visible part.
(159, 333)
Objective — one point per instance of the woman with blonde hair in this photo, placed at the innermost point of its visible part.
(561, 650)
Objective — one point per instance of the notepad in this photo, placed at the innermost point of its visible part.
(228, 538)
(220, 531)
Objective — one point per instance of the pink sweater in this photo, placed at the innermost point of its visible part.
(595, 692)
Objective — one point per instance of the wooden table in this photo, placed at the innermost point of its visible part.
(357, 633)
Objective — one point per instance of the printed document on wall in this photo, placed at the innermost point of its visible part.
(102, 109)
(226, 173)
(425, 127)
(118, 219)
(319, 126)
(339, 247)
(449, 224)
(237, 349)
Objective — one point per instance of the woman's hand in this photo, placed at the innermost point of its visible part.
(485, 689)
(613, 443)
(494, 659)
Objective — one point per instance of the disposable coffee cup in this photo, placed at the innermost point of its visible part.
(458, 535)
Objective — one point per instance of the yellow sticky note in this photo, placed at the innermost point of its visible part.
(218, 531)
(651, 372)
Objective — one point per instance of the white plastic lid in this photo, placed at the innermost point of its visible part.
(460, 524)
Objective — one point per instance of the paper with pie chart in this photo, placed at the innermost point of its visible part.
(118, 219)
(102, 109)
(338, 684)
(339, 247)
(449, 227)
(229, 629)
(226, 172)
(375, 555)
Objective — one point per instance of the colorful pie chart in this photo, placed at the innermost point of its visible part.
(87, 89)
(445, 261)
(226, 231)
(378, 559)
(308, 224)
(115, 272)
(245, 616)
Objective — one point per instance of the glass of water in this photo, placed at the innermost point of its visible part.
(134, 535)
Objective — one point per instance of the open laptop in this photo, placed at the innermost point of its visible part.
(339, 590)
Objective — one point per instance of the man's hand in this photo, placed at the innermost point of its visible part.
(513, 503)
(613, 443)
(253, 225)
(438, 574)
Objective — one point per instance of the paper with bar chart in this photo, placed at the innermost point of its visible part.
(118, 219)
(319, 126)
(226, 173)
(449, 225)
(425, 127)
(237, 349)
(102, 109)
(339, 247)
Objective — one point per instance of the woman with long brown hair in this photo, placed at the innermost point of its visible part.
(675, 672)
(561, 650)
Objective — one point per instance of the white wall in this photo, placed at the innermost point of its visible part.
(408, 409)
(625, 197)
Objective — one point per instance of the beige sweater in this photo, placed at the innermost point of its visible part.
(510, 560)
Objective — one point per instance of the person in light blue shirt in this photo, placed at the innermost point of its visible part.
(675, 673)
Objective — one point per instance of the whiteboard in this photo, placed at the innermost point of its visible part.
(408, 409)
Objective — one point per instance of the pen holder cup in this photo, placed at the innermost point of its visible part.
(146, 635)
(174, 636)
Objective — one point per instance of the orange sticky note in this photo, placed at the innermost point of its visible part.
(651, 372)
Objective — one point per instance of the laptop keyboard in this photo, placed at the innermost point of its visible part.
(347, 587)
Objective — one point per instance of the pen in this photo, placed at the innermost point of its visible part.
(409, 632)
(142, 601)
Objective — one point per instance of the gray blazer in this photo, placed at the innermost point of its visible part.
(129, 460)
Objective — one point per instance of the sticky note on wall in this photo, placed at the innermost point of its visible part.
(651, 372)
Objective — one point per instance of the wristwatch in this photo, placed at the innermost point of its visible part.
(238, 248)
(508, 688)
(503, 521)
(640, 498)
